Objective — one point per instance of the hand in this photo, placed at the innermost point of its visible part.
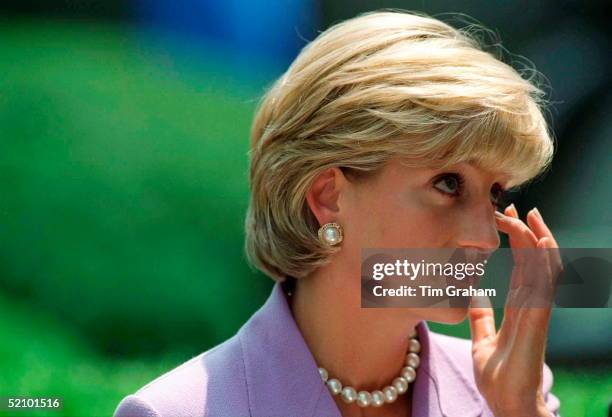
(508, 363)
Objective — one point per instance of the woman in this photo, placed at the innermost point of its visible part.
(388, 130)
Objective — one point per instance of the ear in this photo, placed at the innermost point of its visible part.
(323, 194)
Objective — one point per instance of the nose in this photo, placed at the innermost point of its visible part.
(478, 229)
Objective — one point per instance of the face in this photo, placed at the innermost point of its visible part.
(406, 207)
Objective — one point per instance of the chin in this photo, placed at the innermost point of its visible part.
(450, 315)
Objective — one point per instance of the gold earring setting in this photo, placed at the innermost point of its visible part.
(330, 234)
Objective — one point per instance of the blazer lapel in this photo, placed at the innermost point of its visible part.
(441, 389)
(281, 374)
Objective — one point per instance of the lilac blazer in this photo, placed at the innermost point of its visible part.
(266, 370)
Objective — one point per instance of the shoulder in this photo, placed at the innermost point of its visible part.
(210, 384)
(458, 351)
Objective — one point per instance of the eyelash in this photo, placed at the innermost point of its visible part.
(457, 177)
(497, 188)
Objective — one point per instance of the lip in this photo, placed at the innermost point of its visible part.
(468, 255)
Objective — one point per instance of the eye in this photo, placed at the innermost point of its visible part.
(449, 184)
(497, 194)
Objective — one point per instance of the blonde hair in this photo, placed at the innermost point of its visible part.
(381, 85)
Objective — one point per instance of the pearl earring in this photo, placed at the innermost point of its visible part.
(330, 234)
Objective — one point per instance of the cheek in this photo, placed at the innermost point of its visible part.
(405, 221)
(424, 226)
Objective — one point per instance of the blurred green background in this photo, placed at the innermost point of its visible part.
(123, 173)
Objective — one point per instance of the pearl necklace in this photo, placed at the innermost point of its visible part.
(389, 393)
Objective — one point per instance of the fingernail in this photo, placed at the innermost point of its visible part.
(513, 209)
(499, 215)
(537, 213)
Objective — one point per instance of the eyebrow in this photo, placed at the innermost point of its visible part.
(501, 177)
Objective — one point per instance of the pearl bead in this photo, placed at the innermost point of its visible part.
(378, 398)
(390, 394)
(324, 374)
(414, 346)
(401, 384)
(364, 399)
(412, 359)
(349, 394)
(413, 333)
(334, 386)
(331, 235)
(408, 373)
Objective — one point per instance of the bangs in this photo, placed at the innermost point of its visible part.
(515, 145)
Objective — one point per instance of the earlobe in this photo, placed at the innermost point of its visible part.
(322, 197)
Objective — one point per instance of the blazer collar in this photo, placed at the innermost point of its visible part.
(283, 380)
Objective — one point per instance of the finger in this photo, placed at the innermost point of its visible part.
(520, 234)
(530, 287)
(554, 258)
(482, 319)
(538, 275)
(546, 241)
(519, 237)
(530, 324)
(511, 211)
(508, 324)
(537, 225)
(511, 306)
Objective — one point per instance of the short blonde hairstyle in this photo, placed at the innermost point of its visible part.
(381, 85)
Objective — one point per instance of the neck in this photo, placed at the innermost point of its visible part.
(363, 348)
